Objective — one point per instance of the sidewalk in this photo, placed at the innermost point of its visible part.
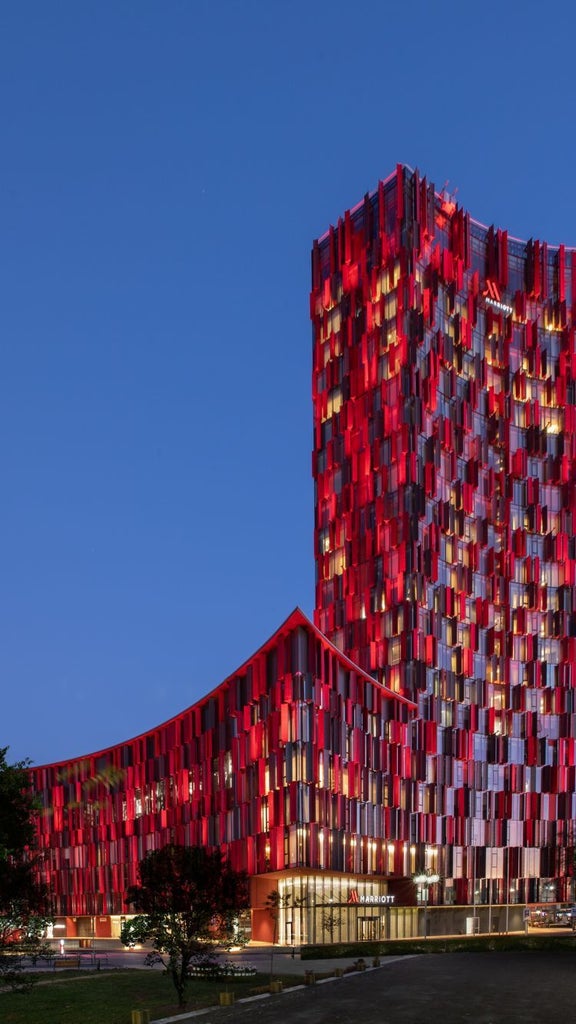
(286, 963)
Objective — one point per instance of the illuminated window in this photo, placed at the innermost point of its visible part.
(228, 774)
(395, 651)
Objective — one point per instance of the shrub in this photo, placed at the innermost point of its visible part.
(208, 966)
(439, 944)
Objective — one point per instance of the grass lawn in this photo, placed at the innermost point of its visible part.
(79, 998)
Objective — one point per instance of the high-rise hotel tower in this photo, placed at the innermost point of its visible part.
(445, 469)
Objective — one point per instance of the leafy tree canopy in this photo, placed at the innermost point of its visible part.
(187, 901)
(24, 904)
(16, 807)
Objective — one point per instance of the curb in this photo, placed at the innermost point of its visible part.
(252, 999)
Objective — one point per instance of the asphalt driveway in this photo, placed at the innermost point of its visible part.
(475, 988)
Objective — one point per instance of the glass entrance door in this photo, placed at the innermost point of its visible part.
(367, 929)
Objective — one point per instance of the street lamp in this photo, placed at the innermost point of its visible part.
(425, 880)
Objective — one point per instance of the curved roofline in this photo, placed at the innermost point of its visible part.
(296, 618)
(356, 668)
(439, 195)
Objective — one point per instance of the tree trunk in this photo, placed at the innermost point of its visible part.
(179, 980)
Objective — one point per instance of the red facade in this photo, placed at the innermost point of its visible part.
(279, 767)
(445, 466)
(428, 720)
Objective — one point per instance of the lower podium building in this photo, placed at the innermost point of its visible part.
(298, 767)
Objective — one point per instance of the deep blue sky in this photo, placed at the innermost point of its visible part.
(164, 169)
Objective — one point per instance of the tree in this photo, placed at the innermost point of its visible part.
(17, 805)
(187, 902)
(274, 903)
(330, 920)
(24, 903)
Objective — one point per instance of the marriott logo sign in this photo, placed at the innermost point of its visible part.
(356, 897)
(493, 298)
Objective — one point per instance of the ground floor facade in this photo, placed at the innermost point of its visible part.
(307, 908)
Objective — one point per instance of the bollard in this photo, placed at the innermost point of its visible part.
(226, 999)
(140, 1016)
(309, 978)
